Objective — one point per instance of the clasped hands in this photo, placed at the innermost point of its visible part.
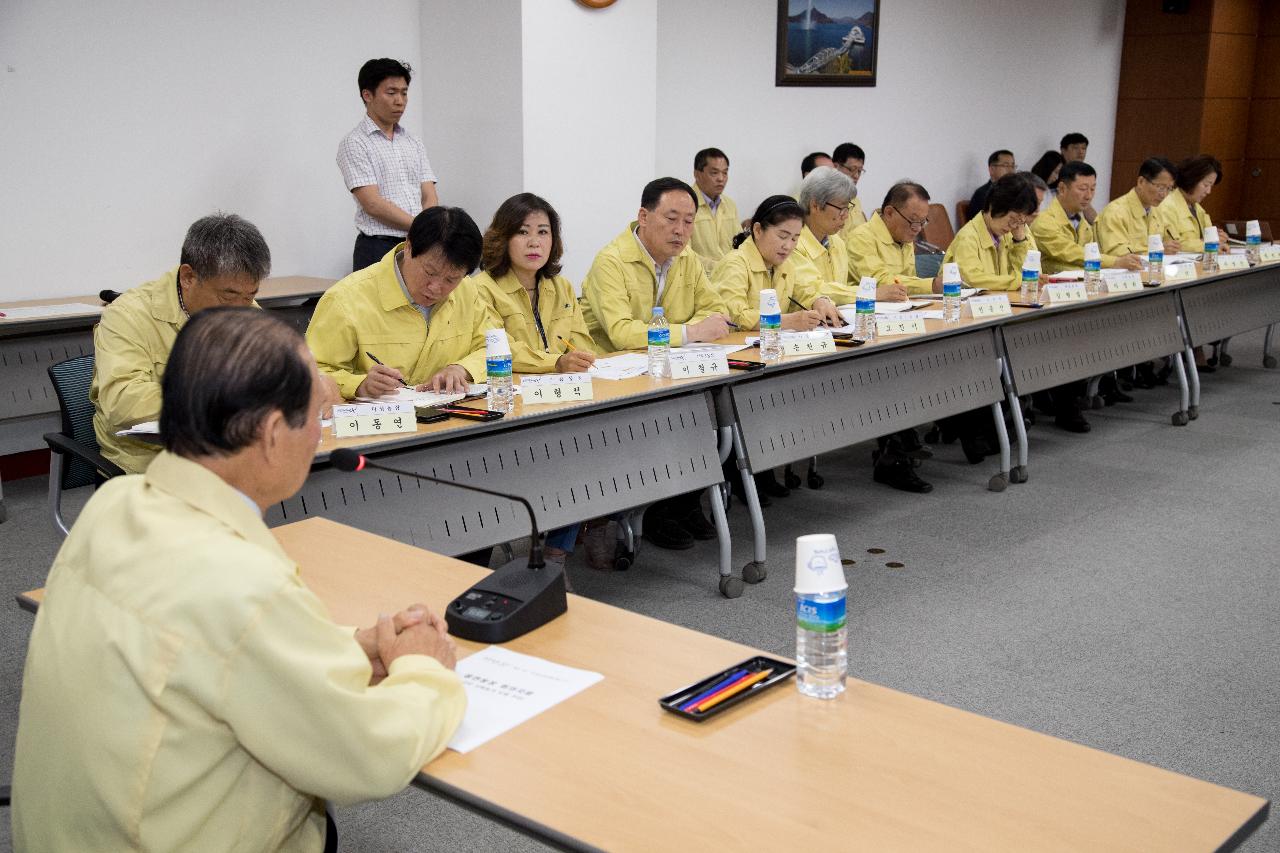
(413, 631)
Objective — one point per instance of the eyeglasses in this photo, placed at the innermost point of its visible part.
(1162, 189)
(841, 212)
(854, 172)
(1018, 221)
(916, 225)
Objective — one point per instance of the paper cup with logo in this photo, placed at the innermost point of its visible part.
(818, 567)
(1091, 252)
(1032, 261)
(1211, 234)
(950, 273)
(496, 344)
(769, 301)
(1155, 243)
(867, 288)
(1252, 228)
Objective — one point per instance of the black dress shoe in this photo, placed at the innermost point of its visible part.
(900, 475)
(1206, 368)
(698, 527)
(1072, 423)
(669, 534)
(767, 484)
(1116, 396)
(1145, 377)
(975, 448)
(790, 479)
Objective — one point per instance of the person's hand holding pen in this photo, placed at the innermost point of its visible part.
(573, 360)
(380, 380)
(897, 292)
(805, 319)
(711, 328)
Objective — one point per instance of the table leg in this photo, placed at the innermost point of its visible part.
(1193, 375)
(1000, 480)
(1180, 417)
(753, 507)
(1268, 360)
(1018, 473)
(730, 586)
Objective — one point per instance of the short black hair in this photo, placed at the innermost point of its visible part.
(810, 162)
(846, 150)
(1078, 169)
(773, 210)
(229, 369)
(1012, 194)
(700, 159)
(373, 72)
(656, 189)
(225, 244)
(996, 155)
(1073, 139)
(903, 190)
(1153, 166)
(1193, 170)
(450, 228)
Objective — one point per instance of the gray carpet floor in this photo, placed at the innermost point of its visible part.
(1125, 598)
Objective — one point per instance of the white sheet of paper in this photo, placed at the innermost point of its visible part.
(35, 312)
(1067, 275)
(144, 428)
(625, 366)
(929, 315)
(424, 398)
(505, 688)
(716, 348)
(1181, 258)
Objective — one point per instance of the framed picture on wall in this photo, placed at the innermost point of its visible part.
(827, 42)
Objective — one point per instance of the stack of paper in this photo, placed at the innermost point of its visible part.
(36, 312)
(424, 398)
(626, 366)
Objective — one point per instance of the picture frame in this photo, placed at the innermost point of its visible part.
(827, 42)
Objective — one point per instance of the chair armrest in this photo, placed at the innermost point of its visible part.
(59, 443)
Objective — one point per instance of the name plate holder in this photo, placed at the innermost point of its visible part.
(890, 325)
(1130, 282)
(555, 388)
(1179, 272)
(1269, 254)
(1233, 261)
(1065, 292)
(358, 419)
(815, 342)
(696, 363)
(991, 305)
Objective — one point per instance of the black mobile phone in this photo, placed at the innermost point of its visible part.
(470, 414)
(430, 416)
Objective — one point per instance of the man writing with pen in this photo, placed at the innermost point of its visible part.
(413, 318)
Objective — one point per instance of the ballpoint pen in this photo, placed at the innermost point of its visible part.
(824, 323)
(375, 360)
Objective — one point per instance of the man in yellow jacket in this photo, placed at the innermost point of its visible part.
(413, 318)
(884, 248)
(1124, 224)
(223, 260)
(184, 689)
(716, 222)
(1063, 230)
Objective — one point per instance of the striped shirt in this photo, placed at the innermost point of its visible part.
(398, 167)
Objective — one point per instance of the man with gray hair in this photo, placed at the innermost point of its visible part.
(224, 259)
(820, 252)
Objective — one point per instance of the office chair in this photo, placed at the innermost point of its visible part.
(75, 460)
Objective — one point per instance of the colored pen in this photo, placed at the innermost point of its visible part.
(568, 347)
(802, 308)
(726, 322)
(375, 360)
(719, 685)
(734, 690)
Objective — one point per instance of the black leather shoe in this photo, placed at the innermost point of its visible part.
(901, 476)
(767, 484)
(668, 534)
(1116, 396)
(790, 478)
(975, 449)
(1206, 368)
(1072, 423)
(698, 527)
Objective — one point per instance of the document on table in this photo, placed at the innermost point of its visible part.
(625, 366)
(849, 312)
(144, 428)
(36, 312)
(1066, 275)
(505, 688)
(965, 293)
(424, 398)
(713, 348)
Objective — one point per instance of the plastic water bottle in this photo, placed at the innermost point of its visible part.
(659, 344)
(1030, 294)
(1253, 242)
(1209, 261)
(1092, 269)
(497, 367)
(864, 305)
(770, 326)
(951, 293)
(822, 652)
(1155, 259)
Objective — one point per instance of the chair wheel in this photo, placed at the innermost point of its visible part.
(1180, 419)
(1018, 474)
(623, 559)
(1225, 360)
(754, 572)
(731, 587)
(1097, 402)
(1193, 412)
(1269, 361)
(998, 483)
(791, 479)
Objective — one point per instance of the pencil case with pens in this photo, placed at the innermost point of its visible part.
(734, 685)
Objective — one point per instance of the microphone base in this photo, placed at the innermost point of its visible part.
(510, 602)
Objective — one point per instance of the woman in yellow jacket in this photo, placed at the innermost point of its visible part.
(522, 291)
(991, 247)
(1184, 218)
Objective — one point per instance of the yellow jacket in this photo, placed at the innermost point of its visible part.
(1124, 225)
(982, 263)
(743, 274)
(713, 232)
(874, 252)
(621, 287)
(368, 312)
(508, 307)
(185, 690)
(856, 219)
(1182, 224)
(1062, 244)
(827, 265)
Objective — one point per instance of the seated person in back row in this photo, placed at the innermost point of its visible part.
(412, 318)
(651, 264)
(1124, 224)
(716, 221)
(223, 260)
(999, 164)
(850, 160)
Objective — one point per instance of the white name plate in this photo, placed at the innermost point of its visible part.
(1179, 272)
(358, 419)
(695, 364)
(1127, 283)
(807, 343)
(1234, 261)
(992, 305)
(1269, 254)
(555, 388)
(888, 325)
(1067, 291)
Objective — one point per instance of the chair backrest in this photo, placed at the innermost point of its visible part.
(1235, 228)
(71, 379)
(939, 231)
(962, 213)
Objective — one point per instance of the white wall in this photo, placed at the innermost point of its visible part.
(957, 80)
(124, 122)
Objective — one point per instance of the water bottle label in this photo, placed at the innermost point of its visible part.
(770, 321)
(498, 367)
(659, 337)
(1253, 239)
(865, 306)
(951, 288)
(1030, 275)
(1155, 257)
(821, 617)
(1211, 248)
(1092, 266)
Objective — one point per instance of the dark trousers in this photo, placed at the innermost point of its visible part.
(370, 250)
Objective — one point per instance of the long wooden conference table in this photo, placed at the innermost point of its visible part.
(874, 769)
(642, 440)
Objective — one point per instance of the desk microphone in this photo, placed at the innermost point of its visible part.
(108, 296)
(515, 598)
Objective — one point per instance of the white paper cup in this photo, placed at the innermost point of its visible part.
(1091, 252)
(1155, 243)
(1033, 261)
(769, 301)
(950, 273)
(1252, 228)
(867, 288)
(818, 567)
(1211, 234)
(495, 343)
